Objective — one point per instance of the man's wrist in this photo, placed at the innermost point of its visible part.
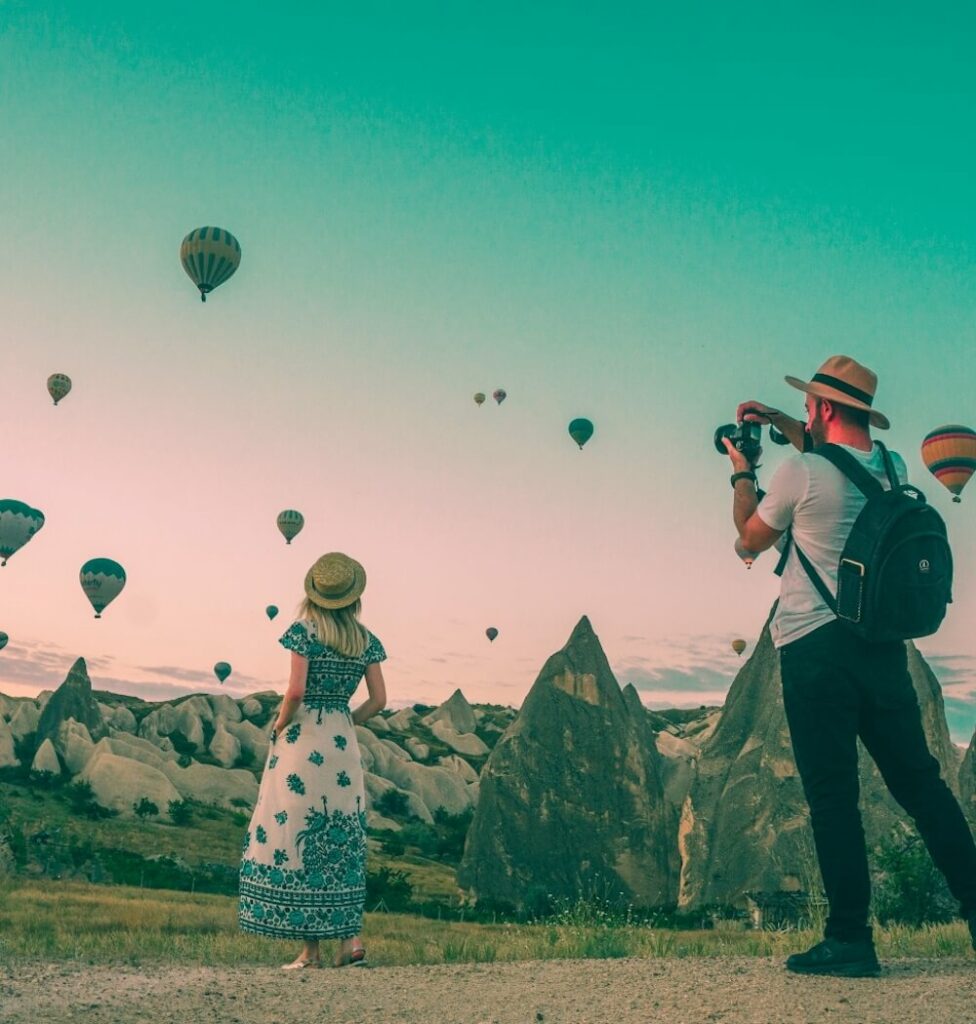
(746, 474)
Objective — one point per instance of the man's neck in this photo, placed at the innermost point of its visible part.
(859, 439)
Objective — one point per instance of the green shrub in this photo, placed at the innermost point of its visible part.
(392, 803)
(909, 888)
(180, 812)
(389, 888)
(145, 808)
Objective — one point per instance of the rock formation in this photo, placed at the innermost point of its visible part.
(455, 712)
(967, 782)
(72, 699)
(571, 798)
(46, 760)
(8, 759)
(745, 823)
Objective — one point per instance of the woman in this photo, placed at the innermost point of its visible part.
(303, 874)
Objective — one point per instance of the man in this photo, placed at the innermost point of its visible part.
(837, 686)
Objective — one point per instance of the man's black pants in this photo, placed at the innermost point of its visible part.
(837, 687)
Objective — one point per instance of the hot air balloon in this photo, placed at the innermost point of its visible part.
(209, 256)
(18, 523)
(102, 580)
(949, 452)
(271, 611)
(3, 640)
(499, 394)
(491, 633)
(222, 670)
(581, 431)
(479, 398)
(290, 523)
(747, 556)
(738, 646)
(58, 385)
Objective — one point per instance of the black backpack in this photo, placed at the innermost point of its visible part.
(895, 574)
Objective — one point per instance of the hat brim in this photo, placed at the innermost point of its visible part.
(875, 418)
(350, 597)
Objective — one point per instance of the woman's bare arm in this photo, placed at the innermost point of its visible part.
(294, 692)
(377, 695)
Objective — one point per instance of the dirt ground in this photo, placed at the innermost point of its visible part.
(686, 991)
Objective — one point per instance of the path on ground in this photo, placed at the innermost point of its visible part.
(734, 990)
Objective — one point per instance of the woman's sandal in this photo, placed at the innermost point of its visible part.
(357, 958)
(300, 964)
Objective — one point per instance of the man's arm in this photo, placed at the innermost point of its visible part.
(755, 535)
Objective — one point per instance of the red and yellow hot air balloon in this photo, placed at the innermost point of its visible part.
(949, 453)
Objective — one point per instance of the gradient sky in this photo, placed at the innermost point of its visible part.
(641, 217)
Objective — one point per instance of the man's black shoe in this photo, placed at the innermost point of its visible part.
(843, 959)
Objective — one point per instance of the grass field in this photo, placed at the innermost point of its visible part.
(78, 921)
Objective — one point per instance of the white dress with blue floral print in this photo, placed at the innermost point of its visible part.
(303, 872)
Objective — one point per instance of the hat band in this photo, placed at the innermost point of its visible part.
(842, 385)
(332, 595)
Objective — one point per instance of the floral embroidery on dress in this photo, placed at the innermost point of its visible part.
(280, 856)
(260, 835)
(316, 758)
(281, 817)
(294, 731)
(295, 784)
(343, 779)
(273, 761)
(340, 742)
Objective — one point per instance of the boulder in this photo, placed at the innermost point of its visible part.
(401, 720)
(24, 719)
(161, 721)
(571, 799)
(745, 822)
(189, 724)
(419, 749)
(119, 783)
(8, 705)
(373, 820)
(74, 744)
(46, 760)
(455, 712)
(224, 747)
(122, 719)
(72, 699)
(225, 707)
(8, 759)
(254, 742)
(378, 724)
(251, 708)
(460, 743)
(377, 786)
(137, 749)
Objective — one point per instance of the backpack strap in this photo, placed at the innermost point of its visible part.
(815, 579)
(868, 485)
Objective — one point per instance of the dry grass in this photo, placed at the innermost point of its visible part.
(76, 921)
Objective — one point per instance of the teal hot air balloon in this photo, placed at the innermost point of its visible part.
(290, 524)
(271, 611)
(581, 430)
(209, 256)
(491, 633)
(3, 640)
(222, 670)
(18, 523)
(58, 385)
(102, 580)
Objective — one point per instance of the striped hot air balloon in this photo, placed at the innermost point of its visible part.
(18, 523)
(290, 524)
(747, 556)
(479, 398)
(102, 580)
(949, 453)
(58, 385)
(209, 256)
(499, 394)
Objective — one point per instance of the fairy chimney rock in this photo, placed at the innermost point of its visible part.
(72, 699)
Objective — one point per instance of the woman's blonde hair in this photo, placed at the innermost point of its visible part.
(338, 628)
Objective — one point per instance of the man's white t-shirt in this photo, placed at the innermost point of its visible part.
(810, 495)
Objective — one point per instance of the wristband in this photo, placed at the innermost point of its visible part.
(747, 475)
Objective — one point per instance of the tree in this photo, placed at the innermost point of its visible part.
(180, 812)
(145, 808)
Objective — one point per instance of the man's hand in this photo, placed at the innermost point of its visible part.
(764, 411)
(740, 464)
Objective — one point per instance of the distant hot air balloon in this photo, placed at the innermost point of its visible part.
(209, 256)
(499, 394)
(747, 556)
(102, 580)
(738, 646)
(581, 431)
(3, 640)
(479, 398)
(271, 611)
(18, 523)
(290, 523)
(949, 452)
(222, 670)
(58, 385)
(491, 633)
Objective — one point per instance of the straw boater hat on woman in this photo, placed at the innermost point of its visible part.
(845, 381)
(335, 581)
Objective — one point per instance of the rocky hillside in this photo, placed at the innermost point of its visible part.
(211, 748)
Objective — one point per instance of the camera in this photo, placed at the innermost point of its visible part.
(746, 437)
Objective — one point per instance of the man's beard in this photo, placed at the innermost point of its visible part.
(816, 431)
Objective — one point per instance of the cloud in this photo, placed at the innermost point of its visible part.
(676, 680)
